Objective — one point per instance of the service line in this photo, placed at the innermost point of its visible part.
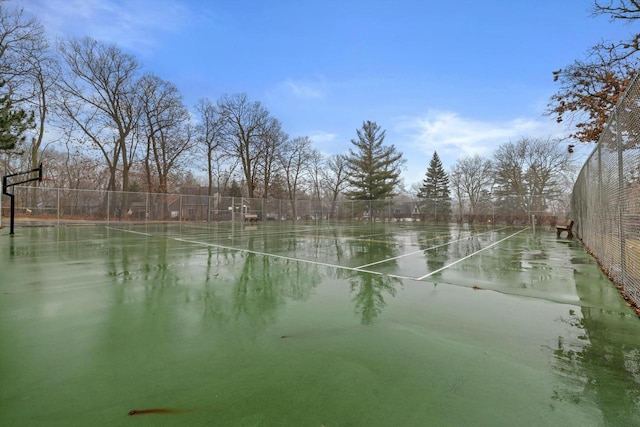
(423, 250)
(358, 270)
(128, 231)
(470, 255)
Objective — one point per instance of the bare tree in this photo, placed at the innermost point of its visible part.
(25, 70)
(625, 10)
(98, 99)
(21, 40)
(165, 127)
(530, 173)
(72, 169)
(471, 178)
(209, 138)
(45, 72)
(335, 178)
(274, 141)
(245, 126)
(316, 167)
(294, 162)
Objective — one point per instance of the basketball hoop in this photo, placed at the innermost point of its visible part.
(45, 179)
(18, 178)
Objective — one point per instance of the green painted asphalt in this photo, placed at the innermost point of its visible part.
(96, 322)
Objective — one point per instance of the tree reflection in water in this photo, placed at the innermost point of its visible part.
(436, 249)
(369, 292)
(599, 366)
(369, 289)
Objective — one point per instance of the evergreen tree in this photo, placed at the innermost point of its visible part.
(13, 123)
(434, 192)
(234, 190)
(373, 169)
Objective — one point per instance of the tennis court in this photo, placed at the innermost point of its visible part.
(311, 324)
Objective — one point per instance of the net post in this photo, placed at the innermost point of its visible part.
(533, 223)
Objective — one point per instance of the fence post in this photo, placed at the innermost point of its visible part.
(623, 263)
(600, 204)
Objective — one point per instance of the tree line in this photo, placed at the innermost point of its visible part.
(100, 121)
(531, 175)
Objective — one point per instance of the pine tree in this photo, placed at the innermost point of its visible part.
(13, 123)
(373, 169)
(234, 190)
(434, 192)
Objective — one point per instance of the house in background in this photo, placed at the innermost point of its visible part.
(195, 204)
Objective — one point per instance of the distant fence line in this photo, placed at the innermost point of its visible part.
(61, 205)
(606, 196)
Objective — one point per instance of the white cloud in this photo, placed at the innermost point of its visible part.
(133, 24)
(452, 135)
(321, 137)
(303, 89)
(326, 142)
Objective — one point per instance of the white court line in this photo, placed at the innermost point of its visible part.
(359, 269)
(293, 259)
(306, 231)
(129, 231)
(261, 232)
(422, 250)
(469, 256)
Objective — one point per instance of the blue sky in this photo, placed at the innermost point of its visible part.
(456, 77)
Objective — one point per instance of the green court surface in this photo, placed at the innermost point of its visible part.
(311, 325)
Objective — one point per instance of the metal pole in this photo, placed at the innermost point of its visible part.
(623, 261)
(4, 184)
(12, 213)
(533, 223)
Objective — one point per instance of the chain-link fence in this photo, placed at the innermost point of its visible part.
(606, 196)
(39, 204)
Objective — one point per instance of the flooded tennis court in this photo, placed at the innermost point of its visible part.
(311, 325)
